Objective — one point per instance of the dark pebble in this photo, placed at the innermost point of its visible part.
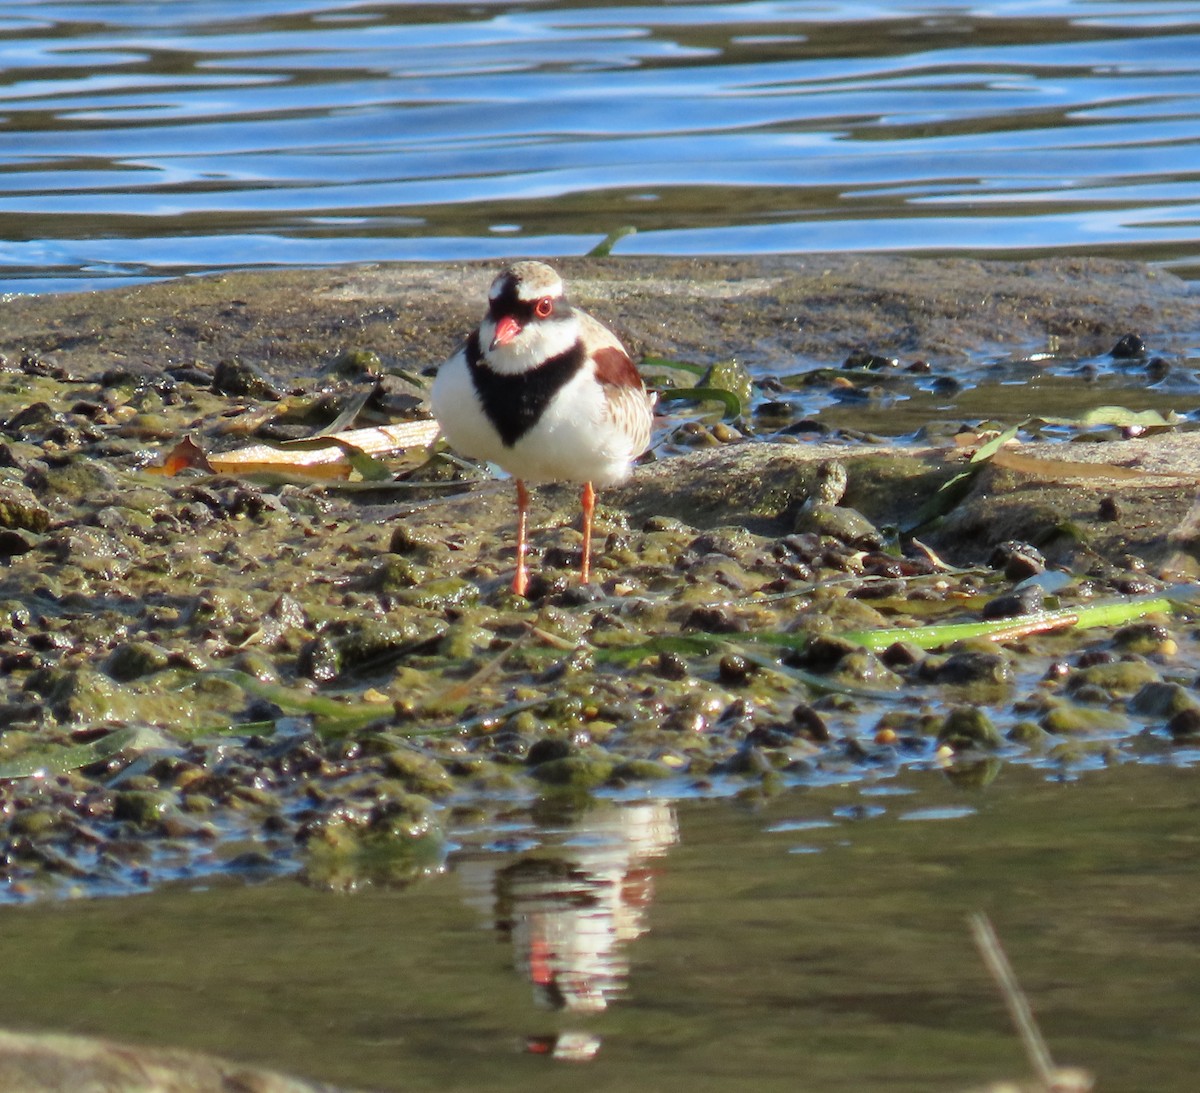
(821, 653)
(1011, 604)
(714, 620)
(549, 748)
(734, 669)
(972, 667)
(810, 724)
(236, 377)
(946, 385)
(1109, 509)
(1128, 347)
(871, 362)
(1018, 560)
(1157, 369)
(1135, 586)
(901, 654)
(319, 660)
(1185, 724)
(671, 666)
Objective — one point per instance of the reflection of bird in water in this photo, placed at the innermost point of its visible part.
(569, 909)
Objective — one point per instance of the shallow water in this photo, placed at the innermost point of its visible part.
(142, 140)
(816, 940)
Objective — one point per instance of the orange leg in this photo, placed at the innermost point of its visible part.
(589, 509)
(521, 580)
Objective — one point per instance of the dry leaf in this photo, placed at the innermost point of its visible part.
(319, 457)
(1065, 468)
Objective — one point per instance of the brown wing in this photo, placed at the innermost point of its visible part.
(614, 366)
(630, 406)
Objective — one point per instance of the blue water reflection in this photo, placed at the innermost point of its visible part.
(139, 140)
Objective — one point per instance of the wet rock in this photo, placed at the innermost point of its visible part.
(866, 360)
(671, 666)
(319, 660)
(747, 760)
(902, 654)
(143, 808)
(734, 669)
(1029, 734)
(846, 525)
(354, 363)
(1185, 725)
(810, 724)
(420, 773)
(1128, 347)
(1026, 601)
(14, 543)
(1072, 719)
(1017, 560)
(1142, 638)
(730, 376)
(1119, 677)
(242, 380)
(575, 771)
(714, 620)
(1162, 700)
(968, 727)
(414, 543)
(548, 749)
(972, 667)
(132, 660)
(863, 668)
(641, 770)
(77, 480)
(821, 652)
(375, 647)
(21, 510)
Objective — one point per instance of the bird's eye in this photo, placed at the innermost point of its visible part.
(543, 307)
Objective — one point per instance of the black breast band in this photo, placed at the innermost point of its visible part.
(513, 402)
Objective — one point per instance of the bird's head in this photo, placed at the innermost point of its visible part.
(528, 320)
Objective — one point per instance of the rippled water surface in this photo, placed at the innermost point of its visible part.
(141, 140)
(813, 942)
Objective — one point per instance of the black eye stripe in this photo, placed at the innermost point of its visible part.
(509, 303)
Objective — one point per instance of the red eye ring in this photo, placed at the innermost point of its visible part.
(544, 307)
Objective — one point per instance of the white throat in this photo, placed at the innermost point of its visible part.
(532, 347)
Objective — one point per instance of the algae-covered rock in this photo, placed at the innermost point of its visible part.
(1029, 734)
(1067, 718)
(422, 774)
(641, 770)
(1118, 677)
(575, 771)
(1163, 700)
(389, 842)
(20, 510)
(969, 727)
(1143, 637)
(839, 522)
(971, 667)
(143, 808)
(732, 377)
(134, 659)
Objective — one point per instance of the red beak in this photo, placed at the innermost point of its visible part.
(506, 329)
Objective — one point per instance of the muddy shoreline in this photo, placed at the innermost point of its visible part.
(272, 675)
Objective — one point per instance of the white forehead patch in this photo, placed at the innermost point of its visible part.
(533, 281)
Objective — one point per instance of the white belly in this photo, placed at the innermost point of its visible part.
(575, 439)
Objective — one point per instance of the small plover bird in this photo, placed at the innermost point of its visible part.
(545, 392)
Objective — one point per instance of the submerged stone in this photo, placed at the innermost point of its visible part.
(969, 727)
